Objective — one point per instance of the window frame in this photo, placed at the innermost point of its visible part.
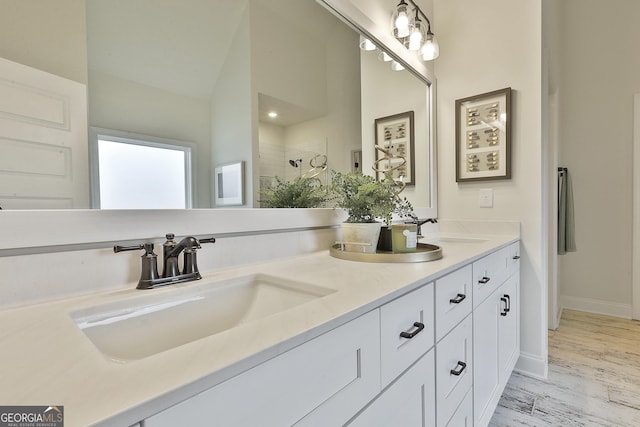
(96, 134)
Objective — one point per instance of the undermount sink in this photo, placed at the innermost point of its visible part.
(142, 326)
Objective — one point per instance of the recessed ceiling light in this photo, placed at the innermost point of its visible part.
(273, 114)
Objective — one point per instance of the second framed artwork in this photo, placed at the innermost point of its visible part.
(229, 184)
(395, 139)
(483, 136)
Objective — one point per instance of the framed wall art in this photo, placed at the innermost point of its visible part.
(483, 136)
(229, 184)
(395, 139)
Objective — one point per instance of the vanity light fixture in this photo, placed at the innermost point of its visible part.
(384, 56)
(366, 44)
(396, 66)
(401, 25)
(411, 32)
(417, 34)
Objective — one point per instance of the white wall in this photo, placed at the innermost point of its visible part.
(550, 136)
(325, 83)
(46, 35)
(486, 46)
(234, 112)
(600, 73)
(340, 127)
(127, 106)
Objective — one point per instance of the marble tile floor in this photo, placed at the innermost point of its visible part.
(594, 377)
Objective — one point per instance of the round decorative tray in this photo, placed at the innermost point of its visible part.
(424, 252)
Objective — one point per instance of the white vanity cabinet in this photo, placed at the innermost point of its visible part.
(321, 382)
(408, 402)
(439, 355)
(496, 326)
(454, 335)
(406, 331)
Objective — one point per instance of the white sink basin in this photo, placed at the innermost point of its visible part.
(157, 321)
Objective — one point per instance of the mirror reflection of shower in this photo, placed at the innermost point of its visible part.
(296, 164)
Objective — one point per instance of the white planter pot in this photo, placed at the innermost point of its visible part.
(363, 236)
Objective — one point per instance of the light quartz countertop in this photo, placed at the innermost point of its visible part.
(47, 360)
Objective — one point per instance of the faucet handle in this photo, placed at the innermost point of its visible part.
(149, 271)
(118, 248)
(207, 240)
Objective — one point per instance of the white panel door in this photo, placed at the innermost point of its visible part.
(43, 140)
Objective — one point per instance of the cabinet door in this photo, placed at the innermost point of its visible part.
(463, 417)
(454, 369)
(486, 373)
(408, 402)
(407, 330)
(321, 382)
(509, 335)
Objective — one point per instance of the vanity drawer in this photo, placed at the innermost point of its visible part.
(406, 331)
(453, 370)
(513, 258)
(321, 382)
(488, 274)
(453, 300)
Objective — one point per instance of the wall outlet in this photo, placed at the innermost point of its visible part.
(486, 198)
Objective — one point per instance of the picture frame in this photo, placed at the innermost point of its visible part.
(229, 184)
(396, 135)
(483, 136)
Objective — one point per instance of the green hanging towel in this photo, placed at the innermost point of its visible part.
(566, 224)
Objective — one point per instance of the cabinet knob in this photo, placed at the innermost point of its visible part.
(516, 257)
(418, 328)
(460, 367)
(458, 299)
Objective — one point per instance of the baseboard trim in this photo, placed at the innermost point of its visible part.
(558, 318)
(532, 366)
(596, 306)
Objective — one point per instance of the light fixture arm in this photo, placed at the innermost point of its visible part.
(418, 10)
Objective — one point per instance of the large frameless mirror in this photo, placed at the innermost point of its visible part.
(281, 85)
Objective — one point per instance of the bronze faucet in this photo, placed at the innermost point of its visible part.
(149, 277)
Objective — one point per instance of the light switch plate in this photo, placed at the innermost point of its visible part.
(486, 198)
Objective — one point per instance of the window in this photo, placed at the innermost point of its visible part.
(139, 172)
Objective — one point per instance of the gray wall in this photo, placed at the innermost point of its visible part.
(600, 72)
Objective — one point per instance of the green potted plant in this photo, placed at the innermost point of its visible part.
(299, 193)
(365, 199)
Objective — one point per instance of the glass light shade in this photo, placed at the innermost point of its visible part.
(417, 35)
(384, 56)
(401, 20)
(430, 50)
(396, 66)
(366, 44)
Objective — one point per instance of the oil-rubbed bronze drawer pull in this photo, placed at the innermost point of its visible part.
(458, 299)
(484, 280)
(458, 371)
(504, 310)
(408, 335)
